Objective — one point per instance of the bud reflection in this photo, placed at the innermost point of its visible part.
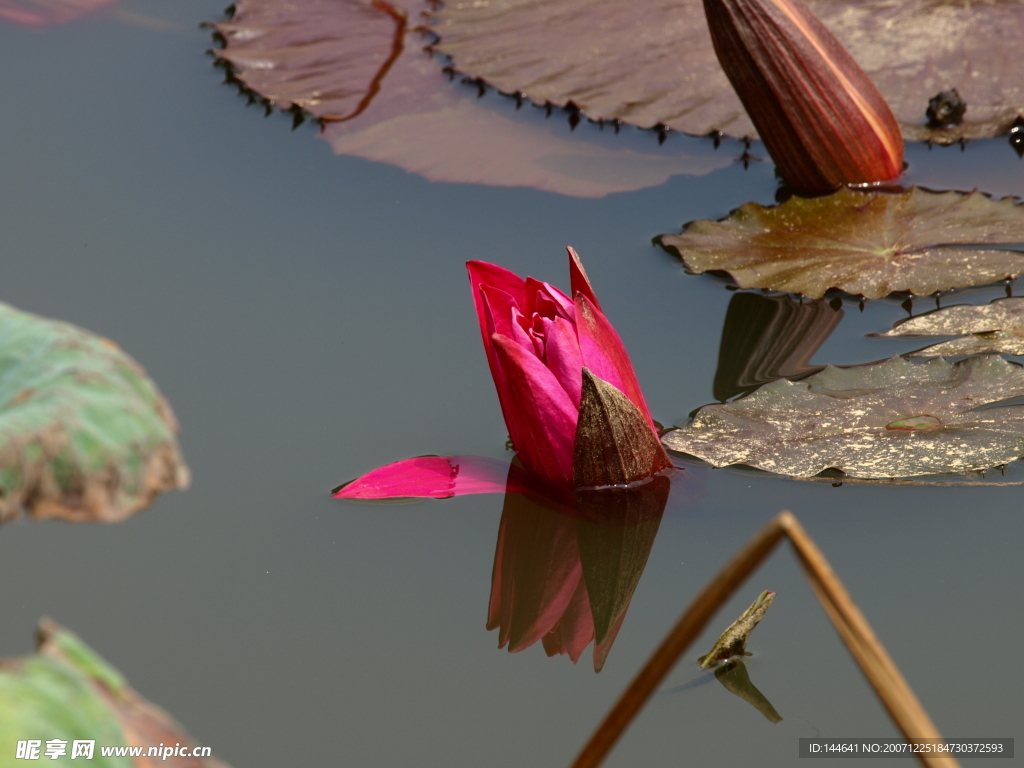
(734, 678)
(770, 337)
(564, 573)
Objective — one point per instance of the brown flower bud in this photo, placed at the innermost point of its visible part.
(821, 118)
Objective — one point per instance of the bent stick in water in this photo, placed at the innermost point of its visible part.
(853, 628)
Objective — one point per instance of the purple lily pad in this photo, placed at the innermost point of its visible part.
(359, 67)
(651, 63)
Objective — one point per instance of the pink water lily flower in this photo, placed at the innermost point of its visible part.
(569, 395)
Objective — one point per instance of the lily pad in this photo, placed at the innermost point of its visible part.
(66, 693)
(652, 63)
(39, 12)
(84, 433)
(360, 68)
(884, 420)
(994, 328)
(868, 243)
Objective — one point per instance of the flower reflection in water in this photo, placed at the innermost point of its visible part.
(564, 574)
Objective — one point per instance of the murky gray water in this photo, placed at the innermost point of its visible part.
(308, 317)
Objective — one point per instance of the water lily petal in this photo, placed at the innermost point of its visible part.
(546, 300)
(482, 273)
(505, 318)
(605, 355)
(500, 317)
(540, 416)
(562, 356)
(578, 280)
(437, 477)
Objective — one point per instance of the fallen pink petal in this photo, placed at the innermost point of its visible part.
(437, 477)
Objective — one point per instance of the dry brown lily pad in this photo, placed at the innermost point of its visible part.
(359, 67)
(867, 243)
(884, 420)
(993, 328)
(651, 63)
(84, 433)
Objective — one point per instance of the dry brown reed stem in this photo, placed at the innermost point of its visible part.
(853, 628)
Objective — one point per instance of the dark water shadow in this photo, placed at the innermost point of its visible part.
(770, 337)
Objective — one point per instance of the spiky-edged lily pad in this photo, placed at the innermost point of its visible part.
(650, 63)
(84, 433)
(38, 12)
(359, 66)
(65, 693)
(868, 243)
(890, 419)
(997, 327)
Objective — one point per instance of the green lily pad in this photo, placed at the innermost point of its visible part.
(66, 693)
(867, 243)
(884, 420)
(994, 328)
(359, 67)
(648, 63)
(84, 433)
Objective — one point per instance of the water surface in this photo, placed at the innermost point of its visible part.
(308, 317)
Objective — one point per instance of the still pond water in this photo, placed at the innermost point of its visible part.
(308, 317)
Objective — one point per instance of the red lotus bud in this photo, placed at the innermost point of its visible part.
(821, 118)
